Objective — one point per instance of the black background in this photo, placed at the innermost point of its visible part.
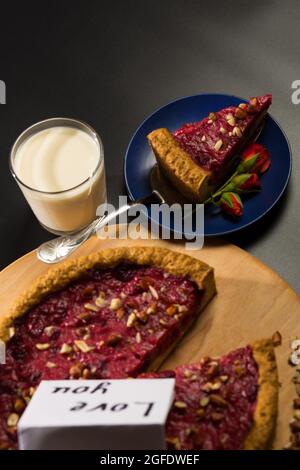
(111, 63)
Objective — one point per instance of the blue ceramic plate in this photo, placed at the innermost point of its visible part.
(139, 159)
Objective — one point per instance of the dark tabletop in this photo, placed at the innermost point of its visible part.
(111, 63)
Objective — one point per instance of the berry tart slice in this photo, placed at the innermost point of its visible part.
(112, 314)
(197, 157)
(225, 403)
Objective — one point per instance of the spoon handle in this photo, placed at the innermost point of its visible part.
(60, 248)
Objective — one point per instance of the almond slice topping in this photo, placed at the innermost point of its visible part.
(174, 441)
(100, 302)
(76, 370)
(151, 309)
(216, 386)
(297, 414)
(200, 413)
(84, 316)
(19, 405)
(240, 113)
(11, 331)
(204, 401)
(142, 316)
(86, 374)
(207, 387)
(182, 308)
(12, 420)
(42, 346)
(180, 404)
(138, 337)
(237, 131)
(49, 330)
(230, 119)
(115, 304)
(231, 122)
(187, 373)
(66, 349)
(224, 378)
(83, 331)
(91, 307)
(153, 292)
(131, 320)
(120, 313)
(218, 145)
(171, 310)
(50, 365)
(218, 400)
(80, 344)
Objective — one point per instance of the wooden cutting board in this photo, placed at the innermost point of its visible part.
(252, 302)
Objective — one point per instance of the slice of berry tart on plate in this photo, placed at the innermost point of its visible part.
(113, 314)
(197, 157)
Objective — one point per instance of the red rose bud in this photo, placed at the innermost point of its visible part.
(231, 204)
(246, 183)
(255, 159)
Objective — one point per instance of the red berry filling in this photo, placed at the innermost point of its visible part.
(215, 139)
(214, 402)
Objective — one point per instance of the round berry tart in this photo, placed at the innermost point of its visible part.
(225, 403)
(113, 314)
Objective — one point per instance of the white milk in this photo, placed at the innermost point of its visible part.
(60, 160)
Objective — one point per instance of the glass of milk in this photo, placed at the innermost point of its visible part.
(59, 166)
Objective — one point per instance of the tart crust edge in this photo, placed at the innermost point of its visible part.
(265, 413)
(177, 165)
(68, 271)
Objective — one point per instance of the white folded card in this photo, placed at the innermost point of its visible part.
(97, 414)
